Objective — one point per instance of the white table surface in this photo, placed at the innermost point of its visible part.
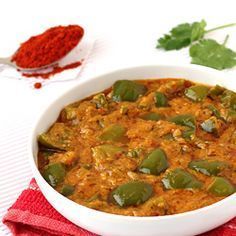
(126, 33)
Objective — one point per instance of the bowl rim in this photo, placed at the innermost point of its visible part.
(112, 216)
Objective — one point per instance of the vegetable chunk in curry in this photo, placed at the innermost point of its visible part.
(144, 148)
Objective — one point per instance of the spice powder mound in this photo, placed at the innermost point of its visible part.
(48, 47)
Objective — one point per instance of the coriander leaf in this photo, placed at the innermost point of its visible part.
(169, 43)
(208, 52)
(198, 30)
(182, 35)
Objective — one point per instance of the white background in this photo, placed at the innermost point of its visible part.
(125, 33)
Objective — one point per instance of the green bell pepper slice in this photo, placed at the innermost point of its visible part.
(196, 93)
(131, 194)
(210, 125)
(188, 133)
(215, 112)
(54, 173)
(155, 163)
(114, 132)
(221, 187)
(207, 167)
(48, 141)
(215, 91)
(184, 120)
(100, 100)
(58, 137)
(228, 98)
(68, 113)
(106, 151)
(151, 116)
(67, 190)
(126, 90)
(180, 179)
(160, 99)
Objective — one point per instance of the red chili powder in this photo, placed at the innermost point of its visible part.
(48, 47)
(56, 70)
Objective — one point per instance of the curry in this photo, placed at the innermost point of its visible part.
(144, 148)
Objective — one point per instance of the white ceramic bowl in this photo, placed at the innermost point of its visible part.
(184, 224)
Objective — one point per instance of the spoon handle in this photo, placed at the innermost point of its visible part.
(6, 61)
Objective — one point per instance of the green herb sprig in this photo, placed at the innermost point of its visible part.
(206, 52)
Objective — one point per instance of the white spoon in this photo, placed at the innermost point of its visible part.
(8, 61)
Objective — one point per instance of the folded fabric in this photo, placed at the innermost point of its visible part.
(32, 215)
(228, 229)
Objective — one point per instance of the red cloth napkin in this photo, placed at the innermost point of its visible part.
(32, 215)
